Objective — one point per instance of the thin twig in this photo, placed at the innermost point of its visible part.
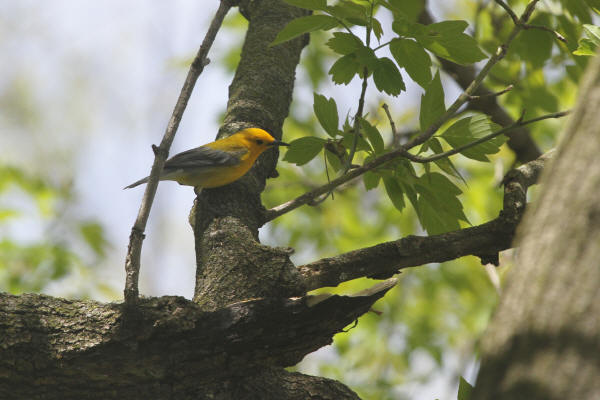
(509, 11)
(357, 117)
(474, 143)
(361, 104)
(382, 45)
(495, 94)
(516, 21)
(392, 124)
(418, 140)
(132, 260)
(545, 28)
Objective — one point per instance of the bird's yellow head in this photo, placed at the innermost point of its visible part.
(257, 140)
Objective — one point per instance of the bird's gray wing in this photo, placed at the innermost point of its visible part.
(201, 157)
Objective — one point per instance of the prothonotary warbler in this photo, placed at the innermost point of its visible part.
(218, 163)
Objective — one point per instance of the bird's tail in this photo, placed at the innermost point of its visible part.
(136, 183)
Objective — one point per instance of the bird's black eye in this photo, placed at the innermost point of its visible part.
(258, 141)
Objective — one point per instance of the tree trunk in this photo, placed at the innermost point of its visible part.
(544, 341)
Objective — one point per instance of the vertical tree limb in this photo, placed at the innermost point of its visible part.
(231, 264)
(544, 340)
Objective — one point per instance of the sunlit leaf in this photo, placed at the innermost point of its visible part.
(469, 129)
(593, 33)
(586, 48)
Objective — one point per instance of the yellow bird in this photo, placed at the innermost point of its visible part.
(218, 163)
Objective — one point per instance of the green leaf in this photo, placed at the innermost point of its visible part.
(439, 207)
(444, 163)
(394, 192)
(314, 5)
(586, 48)
(405, 28)
(372, 133)
(304, 149)
(594, 4)
(387, 77)
(361, 143)
(578, 9)
(344, 43)
(408, 8)
(593, 33)
(464, 389)
(469, 129)
(327, 114)
(447, 41)
(432, 103)
(333, 160)
(367, 58)
(535, 45)
(371, 180)
(93, 234)
(344, 69)
(302, 25)
(377, 29)
(349, 10)
(413, 58)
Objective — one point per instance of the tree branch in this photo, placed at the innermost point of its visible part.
(165, 347)
(419, 139)
(520, 140)
(386, 259)
(136, 238)
(483, 139)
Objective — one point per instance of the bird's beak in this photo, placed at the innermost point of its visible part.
(278, 143)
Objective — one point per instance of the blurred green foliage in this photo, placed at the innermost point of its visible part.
(40, 243)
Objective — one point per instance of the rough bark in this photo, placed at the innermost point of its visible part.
(231, 264)
(167, 347)
(544, 341)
